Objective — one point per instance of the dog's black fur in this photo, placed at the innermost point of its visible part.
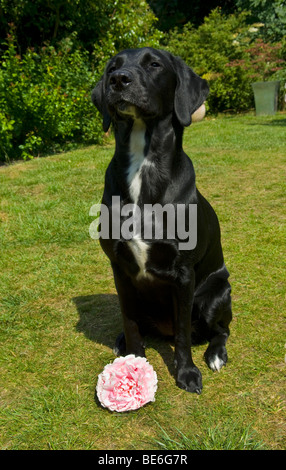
(184, 293)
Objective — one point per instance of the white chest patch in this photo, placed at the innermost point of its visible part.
(134, 179)
(140, 251)
(137, 159)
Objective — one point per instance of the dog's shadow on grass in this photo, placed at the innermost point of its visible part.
(100, 321)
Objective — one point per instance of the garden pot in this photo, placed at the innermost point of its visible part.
(266, 97)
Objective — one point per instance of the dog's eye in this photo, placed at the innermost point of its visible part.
(155, 64)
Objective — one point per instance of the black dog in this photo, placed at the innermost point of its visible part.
(149, 96)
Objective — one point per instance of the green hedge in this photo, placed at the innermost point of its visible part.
(45, 104)
(45, 101)
(220, 51)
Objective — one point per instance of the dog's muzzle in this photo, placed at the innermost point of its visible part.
(120, 80)
(120, 95)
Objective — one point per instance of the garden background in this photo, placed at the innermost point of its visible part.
(58, 305)
(53, 52)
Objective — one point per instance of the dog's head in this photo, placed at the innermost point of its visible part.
(148, 83)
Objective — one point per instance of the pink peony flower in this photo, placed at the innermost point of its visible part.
(127, 384)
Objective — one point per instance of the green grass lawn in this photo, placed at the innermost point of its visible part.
(60, 313)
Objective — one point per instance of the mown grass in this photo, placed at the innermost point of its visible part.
(60, 313)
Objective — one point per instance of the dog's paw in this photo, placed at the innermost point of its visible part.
(216, 358)
(190, 379)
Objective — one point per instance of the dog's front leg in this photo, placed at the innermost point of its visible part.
(131, 342)
(188, 376)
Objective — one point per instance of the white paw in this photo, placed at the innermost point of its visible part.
(216, 363)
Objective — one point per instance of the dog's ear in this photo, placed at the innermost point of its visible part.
(191, 92)
(98, 99)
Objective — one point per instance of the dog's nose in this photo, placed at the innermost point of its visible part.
(120, 79)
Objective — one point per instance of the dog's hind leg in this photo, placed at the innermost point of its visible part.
(218, 331)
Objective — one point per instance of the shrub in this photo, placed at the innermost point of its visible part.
(45, 103)
(131, 25)
(39, 21)
(45, 100)
(270, 15)
(207, 49)
(261, 60)
(6, 136)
